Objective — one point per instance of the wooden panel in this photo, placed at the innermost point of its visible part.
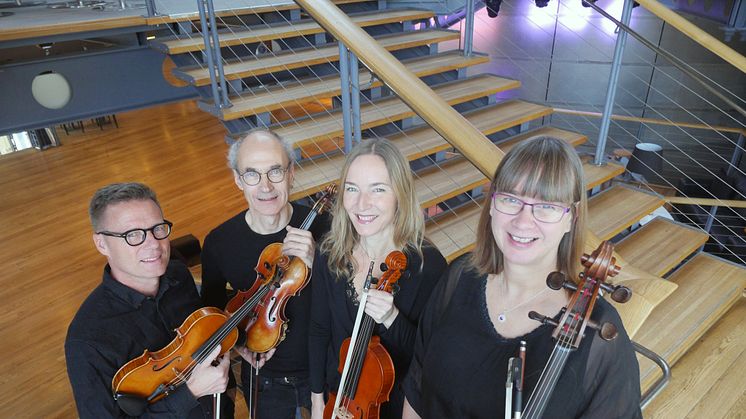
(660, 245)
(617, 208)
(419, 142)
(596, 175)
(389, 109)
(259, 33)
(708, 287)
(273, 98)
(573, 138)
(701, 385)
(288, 60)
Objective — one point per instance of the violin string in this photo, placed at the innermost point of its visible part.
(556, 362)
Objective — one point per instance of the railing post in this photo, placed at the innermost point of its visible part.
(355, 95)
(616, 64)
(223, 102)
(469, 27)
(150, 6)
(344, 76)
(735, 159)
(202, 6)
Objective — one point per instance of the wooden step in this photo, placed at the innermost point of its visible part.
(596, 175)
(279, 97)
(314, 175)
(573, 138)
(244, 9)
(288, 60)
(707, 287)
(619, 207)
(390, 109)
(445, 180)
(660, 245)
(268, 32)
(454, 232)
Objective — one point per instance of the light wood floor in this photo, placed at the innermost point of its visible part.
(49, 264)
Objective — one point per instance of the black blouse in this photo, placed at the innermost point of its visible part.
(460, 362)
(333, 318)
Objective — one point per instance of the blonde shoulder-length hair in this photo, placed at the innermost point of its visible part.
(543, 168)
(409, 223)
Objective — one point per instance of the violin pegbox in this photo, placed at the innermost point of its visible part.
(327, 198)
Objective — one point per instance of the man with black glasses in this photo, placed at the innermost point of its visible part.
(142, 298)
(262, 166)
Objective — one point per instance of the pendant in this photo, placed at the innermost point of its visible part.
(501, 317)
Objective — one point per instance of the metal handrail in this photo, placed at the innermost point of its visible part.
(659, 384)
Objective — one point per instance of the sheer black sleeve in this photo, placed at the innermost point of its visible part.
(319, 333)
(612, 376)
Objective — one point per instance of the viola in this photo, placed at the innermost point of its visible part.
(366, 366)
(575, 318)
(153, 375)
(278, 278)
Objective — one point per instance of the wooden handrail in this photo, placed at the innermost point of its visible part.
(653, 121)
(459, 132)
(706, 202)
(696, 34)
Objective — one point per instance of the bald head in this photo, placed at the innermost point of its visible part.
(254, 139)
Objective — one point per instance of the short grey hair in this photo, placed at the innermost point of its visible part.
(236, 145)
(116, 193)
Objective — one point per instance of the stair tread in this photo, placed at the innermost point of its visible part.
(389, 109)
(707, 287)
(617, 208)
(268, 32)
(269, 7)
(660, 245)
(278, 97)
(446, 180)
(417, 142)
(288, 60)
(596, 175)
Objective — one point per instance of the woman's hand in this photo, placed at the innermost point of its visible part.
(381, 308)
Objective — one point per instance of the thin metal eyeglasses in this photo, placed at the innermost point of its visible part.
(542, 211)
(276, 175)
(137, 236)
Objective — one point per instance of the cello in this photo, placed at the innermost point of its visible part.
(575, 318)
(280, 277)
(366, 367)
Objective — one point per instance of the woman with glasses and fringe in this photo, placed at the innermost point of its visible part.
(531, 224)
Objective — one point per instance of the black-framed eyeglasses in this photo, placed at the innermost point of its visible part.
(542, 211)
(137, 236)
(275, 175)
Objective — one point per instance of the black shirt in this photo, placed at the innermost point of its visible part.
(114, 325)
(460, 362)
(333, 318)
(229, 255)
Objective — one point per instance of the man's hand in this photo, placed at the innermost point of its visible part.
(299, 243)
(256, 360)
(207, 378)
(381, 308)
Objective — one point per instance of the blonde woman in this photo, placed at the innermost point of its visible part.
(532, 223)
(375, 213)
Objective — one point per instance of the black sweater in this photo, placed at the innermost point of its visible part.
(460, 362)
(333, 318)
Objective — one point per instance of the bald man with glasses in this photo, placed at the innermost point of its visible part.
(143, 297)
(262, 166)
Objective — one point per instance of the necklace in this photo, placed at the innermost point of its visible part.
(502, 317)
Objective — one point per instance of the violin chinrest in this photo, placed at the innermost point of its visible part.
(131, 405)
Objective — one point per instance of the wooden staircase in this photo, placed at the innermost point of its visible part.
(448, 186)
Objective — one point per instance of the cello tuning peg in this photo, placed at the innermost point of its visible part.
(608, 331)
(384, 267)
(621, 294)
(542, 318)
(555, 280)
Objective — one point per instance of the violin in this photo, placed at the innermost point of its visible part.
(575, 318)
(366, 366)
(278, 278)
(154, 375)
